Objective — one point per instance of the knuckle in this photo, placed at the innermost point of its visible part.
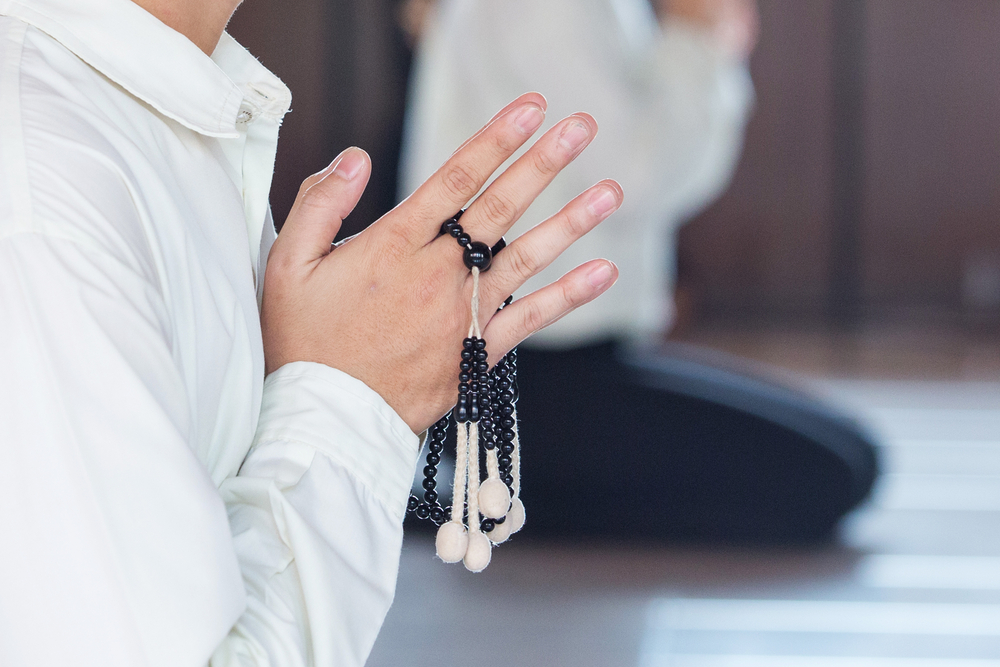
(544, 163)
(396, 240)
(497, 207)
(523, 262)
(505, 144)
(427, 289)
(319, 197)
(532, 317)
(570, 295)
(459, 182)
(576, 222)
(279, 270)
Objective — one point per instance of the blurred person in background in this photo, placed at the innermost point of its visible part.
(636, 443)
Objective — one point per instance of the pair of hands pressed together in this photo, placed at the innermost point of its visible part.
(390, 307)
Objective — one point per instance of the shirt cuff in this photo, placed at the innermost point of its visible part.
(340, 416)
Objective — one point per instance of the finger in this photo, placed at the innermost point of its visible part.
(465, 173)
(534, 250)
(535, 97)
(543, 307)
(499, 207)
(324, 200)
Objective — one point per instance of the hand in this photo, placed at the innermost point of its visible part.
(735, 24)
(391, 306)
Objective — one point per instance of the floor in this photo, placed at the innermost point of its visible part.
(913, 580)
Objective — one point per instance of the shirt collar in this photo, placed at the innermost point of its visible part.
(159, 65)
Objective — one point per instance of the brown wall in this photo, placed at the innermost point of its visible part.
(763, 248)
(929, 130)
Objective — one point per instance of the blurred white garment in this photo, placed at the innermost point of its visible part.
(161, 504)
(671, 106)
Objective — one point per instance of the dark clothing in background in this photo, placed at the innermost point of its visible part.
(681, 446)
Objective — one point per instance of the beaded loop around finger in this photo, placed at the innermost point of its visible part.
(483, 512)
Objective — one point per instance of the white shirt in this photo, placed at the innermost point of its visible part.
(160, 502)
(671, 108)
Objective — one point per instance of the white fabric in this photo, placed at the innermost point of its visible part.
(671, 109)
(160, 503)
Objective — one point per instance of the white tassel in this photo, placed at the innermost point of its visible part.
(479, 551)
(452, 540)
(494, 496)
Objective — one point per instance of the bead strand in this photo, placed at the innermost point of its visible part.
(486, 422)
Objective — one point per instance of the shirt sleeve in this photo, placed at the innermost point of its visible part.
(117, 547)
(317, 520)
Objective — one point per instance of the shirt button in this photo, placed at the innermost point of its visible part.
(245, 115)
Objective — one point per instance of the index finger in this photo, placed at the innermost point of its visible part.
(467, 170)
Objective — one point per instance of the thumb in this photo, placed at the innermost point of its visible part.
(324, 200)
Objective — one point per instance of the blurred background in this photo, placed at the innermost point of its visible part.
(856, 252)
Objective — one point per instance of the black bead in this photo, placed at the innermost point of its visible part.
(442, 423)
(507, 479)
(500, 520)
(482, 366)
(500, 245)
(436, 447)
(431, 496)
(479, 344)
(487, 525)
(412, 503)
(430, 471)
(489, 444)
(477, 255)
(474, 413)
(507, 422)
(502, 369)
(507, 396)
(467, 355)
(456, 231)
(448, 226)
(423, 511)
(481, 355)
(429, 484)
(463, 377)
(503, 460)
(507, 448)
(507, 410)
(468, 343)
(463, 389)
(464, 239)
(462, 414)
(437, 515)
(507, 435)
(433, 458)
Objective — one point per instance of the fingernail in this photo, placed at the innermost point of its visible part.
(603, 202)
(600, 275)
(350, 165)
(573, 135)
(529, 118)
